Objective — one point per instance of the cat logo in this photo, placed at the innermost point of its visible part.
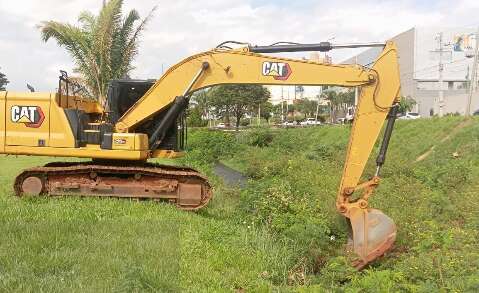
(119, 140)
(278, 70)
(31, 116)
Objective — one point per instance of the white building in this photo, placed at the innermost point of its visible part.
(419, 59)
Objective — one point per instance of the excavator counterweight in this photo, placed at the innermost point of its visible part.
(145, 119)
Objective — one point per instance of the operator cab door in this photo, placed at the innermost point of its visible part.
(27, 120)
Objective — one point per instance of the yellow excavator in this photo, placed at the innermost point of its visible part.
(144, 119)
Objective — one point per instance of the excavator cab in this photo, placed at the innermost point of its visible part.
(124, 93)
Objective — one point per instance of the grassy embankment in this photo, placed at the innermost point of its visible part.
(280, 233)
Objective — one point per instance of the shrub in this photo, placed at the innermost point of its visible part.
(207, 146)
(244, 122)
(195, 119)
(259, 137)
(321, 152)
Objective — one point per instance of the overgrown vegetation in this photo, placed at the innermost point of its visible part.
(433, 201)
(406, 104)
(281, 233)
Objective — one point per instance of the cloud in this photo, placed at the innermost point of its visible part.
(183, 27)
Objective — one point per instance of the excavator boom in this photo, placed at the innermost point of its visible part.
(240, 66)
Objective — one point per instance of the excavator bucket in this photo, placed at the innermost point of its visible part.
(373, 234)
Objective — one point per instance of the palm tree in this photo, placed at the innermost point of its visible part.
(102, 46)
(3, 81)
(338, 102)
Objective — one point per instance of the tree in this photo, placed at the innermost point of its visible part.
(406, 104)
(306, 107)
(199, 109)
(103, 46)
(3, 82)
(200, 99)
(267, 110)
(338, 102)
(237, 100)
(194, 117)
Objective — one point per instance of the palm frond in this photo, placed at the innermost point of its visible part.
(68, 36)
(102, 46)
(87, 20)
(120, 41)
(131, 48)
(107, 24)
(106, 28)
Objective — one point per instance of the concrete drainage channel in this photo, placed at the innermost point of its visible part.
(230, 176)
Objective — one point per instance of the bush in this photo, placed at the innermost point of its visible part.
(258, 168)
(321, 152)
(207, 146)
(260, 137)
(194, 118)
(244, 122)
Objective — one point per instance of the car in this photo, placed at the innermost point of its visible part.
(476, 113)
(220, 125)
(410, 116)
(310, 121)
(289, 123)
(349, 115)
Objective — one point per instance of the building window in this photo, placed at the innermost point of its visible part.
(428, 85)
(450, 85)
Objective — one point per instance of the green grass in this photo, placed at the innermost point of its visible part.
(279, 234)
(91, 245)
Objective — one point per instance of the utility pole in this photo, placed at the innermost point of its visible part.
(259, 114)
(282, 102)
(317, 106)
(473, 82)
(287, 107)
(441, 69)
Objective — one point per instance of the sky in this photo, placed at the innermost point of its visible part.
(184, 27)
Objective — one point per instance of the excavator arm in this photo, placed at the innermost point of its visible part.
(373, 232)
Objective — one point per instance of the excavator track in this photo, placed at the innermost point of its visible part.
(182, 186)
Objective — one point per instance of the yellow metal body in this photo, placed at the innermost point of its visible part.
(130, 141)
(54, 136)
(16, 133)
